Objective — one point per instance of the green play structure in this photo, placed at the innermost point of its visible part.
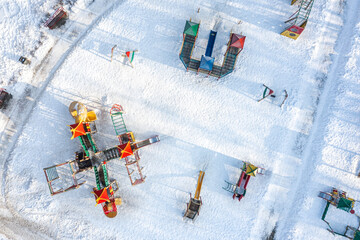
(338, 199)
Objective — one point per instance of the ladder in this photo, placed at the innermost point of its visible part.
(116, 113)
(301, 16)
(97, 178)
(133, 166)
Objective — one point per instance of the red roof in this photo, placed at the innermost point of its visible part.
(237, 41)
(101, 196)
(125, 150)
(77, 130)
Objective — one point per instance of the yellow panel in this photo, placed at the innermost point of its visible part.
(293, 2)
(91, 116)
(290, 34)
(251, 170)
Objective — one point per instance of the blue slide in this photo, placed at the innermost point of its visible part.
(210, 44)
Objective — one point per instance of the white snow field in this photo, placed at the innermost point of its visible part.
(309, 145)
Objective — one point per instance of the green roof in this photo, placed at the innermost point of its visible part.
(345, 204)
(357, 235)
(191, 28)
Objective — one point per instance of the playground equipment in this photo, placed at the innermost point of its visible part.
(79, 112)
(239, 189)
(128, 146)
(58, 178)
(4, 98)
(268, 92)
(105, 192)
(339, 199)
(194, 205)
(299, 19)
(58, 18)
(207, 64)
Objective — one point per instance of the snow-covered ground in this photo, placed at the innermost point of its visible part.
(308, 145)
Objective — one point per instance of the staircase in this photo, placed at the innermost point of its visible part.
(117, 119)
(111, 153)
(87, 143)
(216, 71)
(187, 48)
(302, 14)
(229, 61)
(194, 65)
(133, 166)
(97, 178)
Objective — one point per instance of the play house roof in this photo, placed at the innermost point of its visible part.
(207, 63)
(191, 28)
(357, 235)
(237, 41)
(125, 150)
(345, 204)
(77, 130)
(101, 196)
(250, 170)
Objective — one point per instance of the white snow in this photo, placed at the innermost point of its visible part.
(308, 145)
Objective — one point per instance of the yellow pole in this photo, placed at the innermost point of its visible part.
(199, 184)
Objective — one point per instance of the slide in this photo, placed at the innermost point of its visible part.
(210, 44)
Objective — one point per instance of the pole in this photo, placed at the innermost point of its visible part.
(112, 52)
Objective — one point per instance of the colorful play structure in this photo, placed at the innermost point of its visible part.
(90, 157)
(56, 19)
(239, 189)
(207, 64)
(268, 92)
(338, 199)
(194, 205)
(297, 22)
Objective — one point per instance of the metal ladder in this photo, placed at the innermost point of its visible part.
(302, 14)
(117, 119)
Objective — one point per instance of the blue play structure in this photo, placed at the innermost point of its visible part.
(207, 64)
(211, 42)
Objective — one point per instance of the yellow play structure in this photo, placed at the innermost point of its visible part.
(80, 113)
(193, 207)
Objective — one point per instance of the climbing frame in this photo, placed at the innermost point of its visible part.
(299, 19)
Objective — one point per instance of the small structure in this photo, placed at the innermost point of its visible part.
(4, 98)
(299, 19)
(194, 205)
(24, 60)
(59, 180)
(57, 19)
(84, 126)
(338, 199)
(239, 189)
(128, 146)
(268, 92)
(207, 64)
(189, 37)
(105, 192)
